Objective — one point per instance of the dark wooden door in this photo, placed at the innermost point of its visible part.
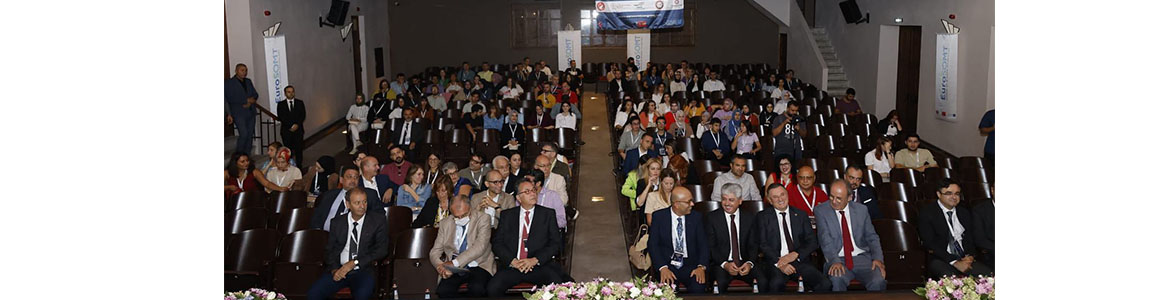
(909, 62)
(357, 55)
(783, 53)
(808, 9)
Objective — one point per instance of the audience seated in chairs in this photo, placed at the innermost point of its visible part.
(631, 137)
(864, 195)
(398, 165)
(355, 244)
(851, 247)
(560, 164)
(659, 199)
(282, 174)
(493, 199)
(463, 186)
(525, 243)
(678, 244)
(240, 176)
(331, 204)
(379, 183)
(913, 157)
(732, 240)
(462, 253)
(645, 148)
(548, 198)
(716, 145)
(784, 175)
(415, 191)
(747, 183)
(438, 206)
(786, 237)
(946, 230)
(552, 181)
(636, 184)
(804, 195)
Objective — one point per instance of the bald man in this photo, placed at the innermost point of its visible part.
(804, 195)
(851, 247)
(678, 243)
(379, 183)
(552, 181)
(493, 199)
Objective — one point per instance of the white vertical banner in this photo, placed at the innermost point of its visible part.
(946, 80)
(568, 48)
(276, 63)
(638, 46)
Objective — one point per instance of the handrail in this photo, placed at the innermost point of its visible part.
(268, 128)
(266, 111)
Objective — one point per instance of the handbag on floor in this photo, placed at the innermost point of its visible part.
(638, 256)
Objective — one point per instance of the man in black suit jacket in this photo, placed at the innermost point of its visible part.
(331, 204)
(525, 242)
(621, 84)
(686, 263)
(984, 230)
(864, 195)
(291, 113)
(408, 133)
(356, 241)
(787, 254)
(946, 231)
(731, 255)
(379, 183)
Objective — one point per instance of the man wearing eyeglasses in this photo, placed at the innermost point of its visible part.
(492, 200)
(553, 181)
(559, 166)
(525, 243)
(944, 228)
(475, 171)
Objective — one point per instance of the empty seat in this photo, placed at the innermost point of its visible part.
(706, 206)
(897, 210)
(247, 258)
(566, 139)
(910, 177)
(760, 176)
(971, 162)
(245, 219)
(973, 174)
(697, 190)
(895, 191)
(413, 271)
(905, 260)
(246, 199)
(871, 178)
(827, 176)
(300, 262)
(933, 175)
(829, 145)
(398, 219)
(709, 177)
(751, 207)
(691, 147)
(457, 143)
(813, 163)
(282, 202)
(487, 143)
(975, 190)
(295, 220)
(837, 163)
(703, 166)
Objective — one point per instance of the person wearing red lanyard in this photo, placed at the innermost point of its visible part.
(804, 195)
(784, 177)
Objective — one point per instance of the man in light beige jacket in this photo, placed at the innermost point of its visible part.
(464, 243)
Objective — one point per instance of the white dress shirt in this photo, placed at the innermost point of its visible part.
(523, 225)
(713, 85)
(349, 234)
(566, 121)
(953, 226)
(852, 235)
(784, 246)
(739, 227)
(460, 235)
(674, 238)
(371, 184)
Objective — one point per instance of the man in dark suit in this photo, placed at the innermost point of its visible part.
(291, 113)
(984, 230)
(850, 246)
(525, 242)
(864, 195)
(540, 119)
(331, 204)
(408, 133)
(355, 243)
(550, 150)
(787, 242)
(731, 238)
(943, 228)
(715, 143)
(574, 75)
(379, 183)
(239, 97)
(678, 245)
(645, 147)
(621, 86)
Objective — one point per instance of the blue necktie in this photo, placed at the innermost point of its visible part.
(463, 245)
(678, 240)
(954, 242)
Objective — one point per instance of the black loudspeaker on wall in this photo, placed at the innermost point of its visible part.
(852, 13)
(338, 10)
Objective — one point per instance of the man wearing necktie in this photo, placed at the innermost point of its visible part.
(462, 252)
(678, 244)
(355, 243)
(730, 235)
(526, 240)
(331, 204)
(944, 230)
(787, 242)
(864, 195)
(291, 113)
(848, 241)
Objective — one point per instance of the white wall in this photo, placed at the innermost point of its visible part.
(886, 89)
(320, 64)
(855, 45)
(780, 9)
(804, 57)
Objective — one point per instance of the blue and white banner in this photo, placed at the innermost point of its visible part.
(946, 79)
(276, 63)
(568, 48)
(638, 47)
(639, 14)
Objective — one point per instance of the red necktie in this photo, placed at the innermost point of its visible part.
(524, 238)
(848, 241)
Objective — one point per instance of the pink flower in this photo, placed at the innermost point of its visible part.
(647, 292)
(958, 294)
(983, 288)
(606, 291)
(562, 295)
(932, 294)
(581, 293)
(956, 282)
(628, 284)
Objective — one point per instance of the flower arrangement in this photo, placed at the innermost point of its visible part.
(604, 289)
(955, 288)
(254, 294)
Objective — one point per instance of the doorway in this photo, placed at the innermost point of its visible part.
(356, 35)
(909, 61)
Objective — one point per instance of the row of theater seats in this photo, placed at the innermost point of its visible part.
(595, 72)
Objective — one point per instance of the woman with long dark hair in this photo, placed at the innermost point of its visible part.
(240, 176)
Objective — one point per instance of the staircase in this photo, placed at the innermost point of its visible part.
(837, 80)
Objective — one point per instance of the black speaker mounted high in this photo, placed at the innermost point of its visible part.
(338, 10)
(852, 13)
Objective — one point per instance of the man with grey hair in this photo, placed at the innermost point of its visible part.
(851, 247)
(738, 175)
(463, 252)
(730, 236)
(462, 185)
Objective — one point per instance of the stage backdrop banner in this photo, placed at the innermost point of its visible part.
(638, 47)
(276, 63)
(639, 14)
(568, 48)
(946, 80)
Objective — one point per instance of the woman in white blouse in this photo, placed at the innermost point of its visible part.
(566, 119)
(623, 114)
(282, 174)
(357, 120)
(880, 159)
(511, 90)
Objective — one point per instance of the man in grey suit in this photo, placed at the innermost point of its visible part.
(464, 242)
(492, 200)
(850, 246)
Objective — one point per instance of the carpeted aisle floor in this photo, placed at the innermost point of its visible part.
(599, 245)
